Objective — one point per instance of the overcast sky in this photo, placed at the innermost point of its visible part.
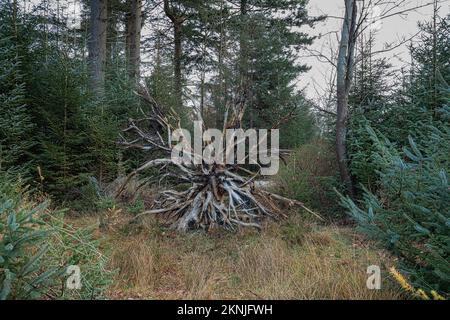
(392, 31)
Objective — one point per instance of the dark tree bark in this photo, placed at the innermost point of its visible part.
(111, 34)
(221, 55)
(177, 20)
(97, 45)
(202, 93)
(243, 57)
(115, 8)
(133, 37)
(345, 66)
(177, 62)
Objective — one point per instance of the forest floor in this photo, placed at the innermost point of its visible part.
(291, 259)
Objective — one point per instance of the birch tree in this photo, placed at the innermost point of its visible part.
(355, 23)
(344, 67)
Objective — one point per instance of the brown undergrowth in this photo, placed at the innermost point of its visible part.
(291, 259)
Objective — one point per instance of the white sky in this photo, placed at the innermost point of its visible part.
(392, 31)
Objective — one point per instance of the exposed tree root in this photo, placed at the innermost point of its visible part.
(218, 195)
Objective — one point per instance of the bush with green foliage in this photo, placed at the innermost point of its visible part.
(400, 155)
(74, 245)
(15, 124)
(310, 175)
(48, 119)
(410, 214)
(36, 246)
(360, 152)
(300, 129)
(56, 96)
(23, 237)
(402, 106)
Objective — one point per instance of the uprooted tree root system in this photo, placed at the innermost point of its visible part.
(219, 195)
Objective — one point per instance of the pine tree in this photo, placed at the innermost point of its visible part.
(370, 99)
(269, 38)
(431, 67)
(408, 212)
(16, 137)
(56, 97)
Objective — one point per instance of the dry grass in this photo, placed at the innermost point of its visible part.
(288, 260)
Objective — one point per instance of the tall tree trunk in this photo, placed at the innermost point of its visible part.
(177, 22)
(177, 63)
(133, 38)
(243, 54)
(345, 65)
(222, 89)
(203, 71)
(111, 35)
(202, 93)
(97, 45)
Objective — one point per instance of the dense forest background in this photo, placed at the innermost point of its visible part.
(374, 156)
